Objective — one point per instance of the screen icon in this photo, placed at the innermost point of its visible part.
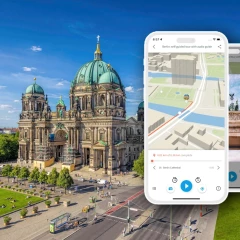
(232, 176)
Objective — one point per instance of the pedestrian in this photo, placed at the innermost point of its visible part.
(131, 229)
(206, 208)
(190, 228)
(124, 232)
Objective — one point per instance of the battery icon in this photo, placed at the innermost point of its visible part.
(218, 39)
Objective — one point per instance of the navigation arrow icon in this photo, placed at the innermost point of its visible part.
(218, 167)
(154, 167)
(154, 46)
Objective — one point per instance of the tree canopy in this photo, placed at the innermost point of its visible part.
(34, 175)
(64, 180)
(138, 165)
(43, 177)
(8, 146)
(53, 177)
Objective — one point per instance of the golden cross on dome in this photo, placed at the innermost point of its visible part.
(98, 38)
(35, 79)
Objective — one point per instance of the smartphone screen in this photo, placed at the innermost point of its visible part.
(234, 117)
(186, 117)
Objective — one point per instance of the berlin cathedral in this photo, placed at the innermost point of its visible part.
(94, 132)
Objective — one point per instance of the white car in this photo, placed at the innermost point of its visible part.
(82, 179)
(102, 181)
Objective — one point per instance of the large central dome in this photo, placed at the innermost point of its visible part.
(96, 72)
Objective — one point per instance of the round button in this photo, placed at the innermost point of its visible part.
(218, 188)
(170, 189)
(186, 186)
(202, 189)
(232, 176)
(174, 180)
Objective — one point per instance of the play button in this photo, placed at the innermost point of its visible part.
(186, 186)
(232, 176)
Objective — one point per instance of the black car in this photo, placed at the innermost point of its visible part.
(92, 180)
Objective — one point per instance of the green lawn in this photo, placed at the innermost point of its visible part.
(213, 58)
(21, 200)
(216, 71)
(219, 133)
(158, 80)
(227, 226)
(234, 67)
(169, 96)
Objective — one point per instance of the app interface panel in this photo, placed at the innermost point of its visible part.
(186, 119)
(234, 117)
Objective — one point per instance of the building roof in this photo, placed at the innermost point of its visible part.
(141, 105)
(34, 88)
(61, 102)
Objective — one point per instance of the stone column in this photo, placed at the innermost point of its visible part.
(72, 137)
(40, 135)
(96, 134)
(69, 136)
(78, 139)
(26, 152)
(31, 144)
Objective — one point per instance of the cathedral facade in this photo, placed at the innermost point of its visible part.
(93, 132)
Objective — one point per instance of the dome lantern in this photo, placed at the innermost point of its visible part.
(98, 53)
(34, 88)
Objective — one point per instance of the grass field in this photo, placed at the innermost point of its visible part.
(219, 133)
(158, 80)
(227, 226)
(216, 71)
(171, 96)
(21, 200)
(234, 67)
(214, 58)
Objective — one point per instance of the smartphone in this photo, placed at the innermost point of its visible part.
(186, 117)
(234, 117)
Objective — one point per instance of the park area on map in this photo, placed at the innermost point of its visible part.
(186, 99)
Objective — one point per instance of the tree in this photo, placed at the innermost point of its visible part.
(16, 172)
(8, 146)
(53, 177)
(138, 165)
(24, 173)
(64, 180)
(34, 175)
(7, 170)
(43, 177)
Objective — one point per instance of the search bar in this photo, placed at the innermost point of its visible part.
(234, 51)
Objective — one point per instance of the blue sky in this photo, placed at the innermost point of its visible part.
(51, 39)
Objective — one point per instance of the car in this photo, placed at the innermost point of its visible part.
(92, 180)
(102, 181)
(82, 179)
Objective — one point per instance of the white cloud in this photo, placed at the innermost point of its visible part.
(16, 101)
(5, 106)
(59, 84)
(36, 48)
(62, 83)
(28, 69)
(139, 89)
(11, 111)
(129, 89)
(1, 87)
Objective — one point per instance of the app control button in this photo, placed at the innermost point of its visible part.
(218, 188)
(186, 186)
(202, 189)
(232, 176)
(198, 180)
(170, 189)
(174, 180)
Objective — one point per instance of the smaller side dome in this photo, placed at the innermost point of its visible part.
(61, 102)
(141, 105)
(109, 77)
(34, 88)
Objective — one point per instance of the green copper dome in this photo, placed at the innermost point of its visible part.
(34, 88)
(96, 72)
(61, 102)
(141, 105)
(109, 77)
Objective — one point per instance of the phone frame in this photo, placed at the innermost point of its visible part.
(145, 73)
(233, 189)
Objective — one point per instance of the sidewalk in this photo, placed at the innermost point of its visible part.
(202, 227)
